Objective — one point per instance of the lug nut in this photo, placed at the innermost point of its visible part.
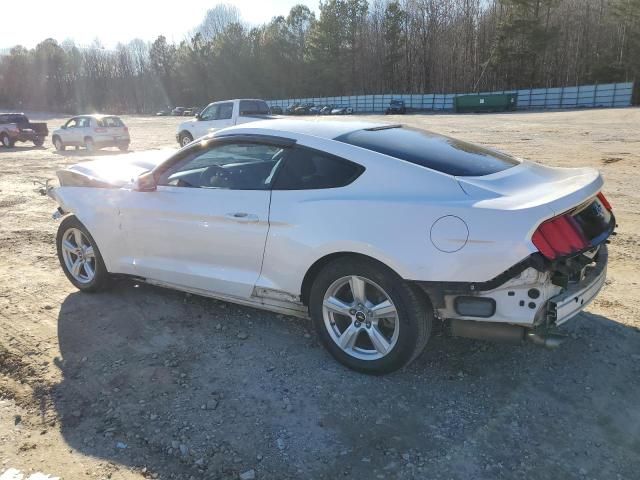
(352, 311)
(368, 324)
(357, 324)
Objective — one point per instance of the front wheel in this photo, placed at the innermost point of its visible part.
(185, 139)
(57, 143)
(79, 256)
(368, 317)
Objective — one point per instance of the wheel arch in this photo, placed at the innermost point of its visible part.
(313, 271)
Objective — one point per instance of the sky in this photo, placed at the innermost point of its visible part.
(116, 21)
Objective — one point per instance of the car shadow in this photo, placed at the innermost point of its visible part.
(177, 386)
(20, 148)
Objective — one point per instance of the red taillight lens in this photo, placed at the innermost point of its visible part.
(559, 236)
(126, 129)
(604, 201)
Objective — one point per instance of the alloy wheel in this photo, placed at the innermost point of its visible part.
(78, 255)
(360, 318)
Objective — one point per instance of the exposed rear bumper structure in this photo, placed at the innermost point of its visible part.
(578, 295)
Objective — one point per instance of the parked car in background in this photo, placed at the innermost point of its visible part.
(92, 132)
(291, 109)
(290, 216)
(163, 113)
(16, 127)
(315, 110)
(195, 111)
(326, 110)
(342, 110)
(303, 109)
(187, 112)
(178, 112)
(276, 110)
(219, 115)
(396, 107)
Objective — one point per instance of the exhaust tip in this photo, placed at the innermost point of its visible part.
(547, 340)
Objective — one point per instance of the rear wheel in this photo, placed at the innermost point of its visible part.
(185, 139)
(123, 147)
(79, 256)
(368, 317)
(38, 141)
(6, 141)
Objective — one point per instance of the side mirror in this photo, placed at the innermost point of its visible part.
(198, 117)
(145, 183)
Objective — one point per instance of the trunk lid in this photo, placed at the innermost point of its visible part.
(530, 185)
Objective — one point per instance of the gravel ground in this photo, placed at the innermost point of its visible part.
(142, 382)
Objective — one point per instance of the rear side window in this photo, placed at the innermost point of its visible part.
(253, 107)
(308, 169)
(13, 119)
(437, 152)
(110, 122)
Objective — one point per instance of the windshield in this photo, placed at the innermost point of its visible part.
(437, 152)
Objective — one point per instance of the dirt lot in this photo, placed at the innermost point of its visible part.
(145, 382)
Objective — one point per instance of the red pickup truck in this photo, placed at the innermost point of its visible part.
(16, 127)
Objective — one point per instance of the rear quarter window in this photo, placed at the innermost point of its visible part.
(430, 150)
(308, 169)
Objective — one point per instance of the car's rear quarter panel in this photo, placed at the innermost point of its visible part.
(387, 214)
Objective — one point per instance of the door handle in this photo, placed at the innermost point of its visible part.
(242, 217)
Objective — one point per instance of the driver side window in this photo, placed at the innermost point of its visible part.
(73, 123)
(209, 113)
(234, 166)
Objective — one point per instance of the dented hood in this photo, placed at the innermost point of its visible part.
(113, 171)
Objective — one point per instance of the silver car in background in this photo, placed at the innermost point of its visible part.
(92, 132)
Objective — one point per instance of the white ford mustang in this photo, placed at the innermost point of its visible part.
(372, 230)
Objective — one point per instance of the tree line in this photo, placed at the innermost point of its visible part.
(350, 47)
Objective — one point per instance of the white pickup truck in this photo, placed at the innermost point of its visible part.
(222, 114)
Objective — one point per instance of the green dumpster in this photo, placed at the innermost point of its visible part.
(495, 102)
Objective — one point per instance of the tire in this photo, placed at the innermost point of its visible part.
(123, 147)
(67, 242)
(57, 143)
(6, 141)
(38, 141)
(185, 139)
(89, 145)
(406, 331)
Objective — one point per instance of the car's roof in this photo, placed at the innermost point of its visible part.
(317, 128)
(97, 116)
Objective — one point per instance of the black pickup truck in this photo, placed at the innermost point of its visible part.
(16, 127)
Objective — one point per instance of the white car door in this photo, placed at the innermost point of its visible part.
(70, 132)
(85, 129)
(205, 226)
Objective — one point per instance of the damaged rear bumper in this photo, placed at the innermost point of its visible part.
(577, 296)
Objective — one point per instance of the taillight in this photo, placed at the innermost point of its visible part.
(559, 236)
(100, 130)
(604, 201)
(126, 129)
